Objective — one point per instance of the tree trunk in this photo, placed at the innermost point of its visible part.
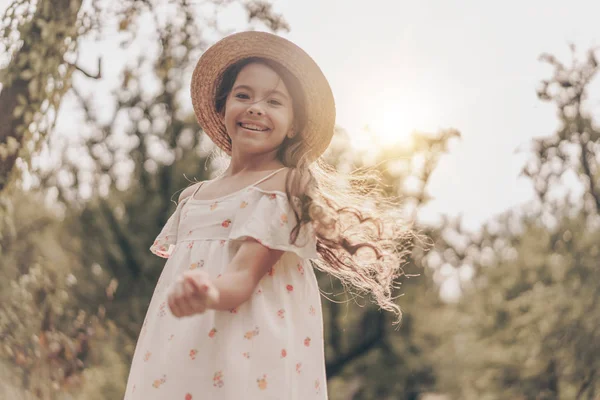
(60, 13)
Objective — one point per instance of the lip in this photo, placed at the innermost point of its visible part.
(262, 126)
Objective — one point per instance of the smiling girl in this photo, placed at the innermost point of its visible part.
(245, 316)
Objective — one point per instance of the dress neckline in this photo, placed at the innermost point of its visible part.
(245, 188)
(227, 196)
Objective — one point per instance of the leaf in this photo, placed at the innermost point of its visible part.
(123, 24)
(26, 74)
(18, 111)
(32, 88)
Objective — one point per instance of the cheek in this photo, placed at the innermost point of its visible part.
(230, 114)
(285, 120)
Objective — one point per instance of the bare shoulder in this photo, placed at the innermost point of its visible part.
(276, 182)
(187, 192)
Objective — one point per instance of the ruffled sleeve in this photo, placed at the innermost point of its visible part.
(165, 241)
(269, 219)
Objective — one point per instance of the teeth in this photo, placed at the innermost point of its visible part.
(253, 127)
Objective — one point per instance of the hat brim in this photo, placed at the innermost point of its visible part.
(320, 105)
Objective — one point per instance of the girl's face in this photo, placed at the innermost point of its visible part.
(258, 111)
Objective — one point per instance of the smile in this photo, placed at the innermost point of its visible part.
(253, 127)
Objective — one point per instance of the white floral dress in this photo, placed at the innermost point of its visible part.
(270, 347)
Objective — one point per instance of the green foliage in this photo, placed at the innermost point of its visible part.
(527, 324)
(51, 341)
(75, 288)
(78, 286)
(366, 356)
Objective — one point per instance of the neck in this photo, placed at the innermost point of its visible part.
(242, 162)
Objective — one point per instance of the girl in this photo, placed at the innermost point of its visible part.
(236, 313)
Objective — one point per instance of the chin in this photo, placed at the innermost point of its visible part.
(252, 144)
(249, 146)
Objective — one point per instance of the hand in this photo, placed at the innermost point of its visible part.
(192, 294)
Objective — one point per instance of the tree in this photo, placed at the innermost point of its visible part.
(366, 356)
(527, 323)
(41, 40)
(53, 341)
(37, 74)
(100, 240)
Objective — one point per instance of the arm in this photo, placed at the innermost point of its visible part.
(195, 291)
(248, 267)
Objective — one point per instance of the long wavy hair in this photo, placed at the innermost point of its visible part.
(361, 238)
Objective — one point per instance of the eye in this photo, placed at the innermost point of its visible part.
(242, 96)
(275, 102)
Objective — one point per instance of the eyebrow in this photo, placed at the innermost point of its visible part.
(274, 91)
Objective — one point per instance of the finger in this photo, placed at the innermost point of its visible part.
(197, 278)
(171, 297)
(189, 288)
(195, 300)
(212, 296)
(183, 301)
(173, 305)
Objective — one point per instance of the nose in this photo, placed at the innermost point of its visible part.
(255, 109)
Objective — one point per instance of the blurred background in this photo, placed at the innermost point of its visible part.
(484, 118)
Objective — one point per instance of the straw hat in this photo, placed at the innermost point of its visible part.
(320, 105)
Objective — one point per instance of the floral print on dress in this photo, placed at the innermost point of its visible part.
(159, 382)
(250, 334)
(162, 309)
(262, 382)
(198, 264)
(245, 339)
(218, 379)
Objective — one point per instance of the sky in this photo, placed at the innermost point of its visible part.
(400, 65)
(469, 65)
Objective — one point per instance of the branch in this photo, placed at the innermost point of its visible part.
(122, 240)
(89, 75)
(584, 386)
(586, 168)
(335, 368)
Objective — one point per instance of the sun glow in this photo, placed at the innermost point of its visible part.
(393, 124)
